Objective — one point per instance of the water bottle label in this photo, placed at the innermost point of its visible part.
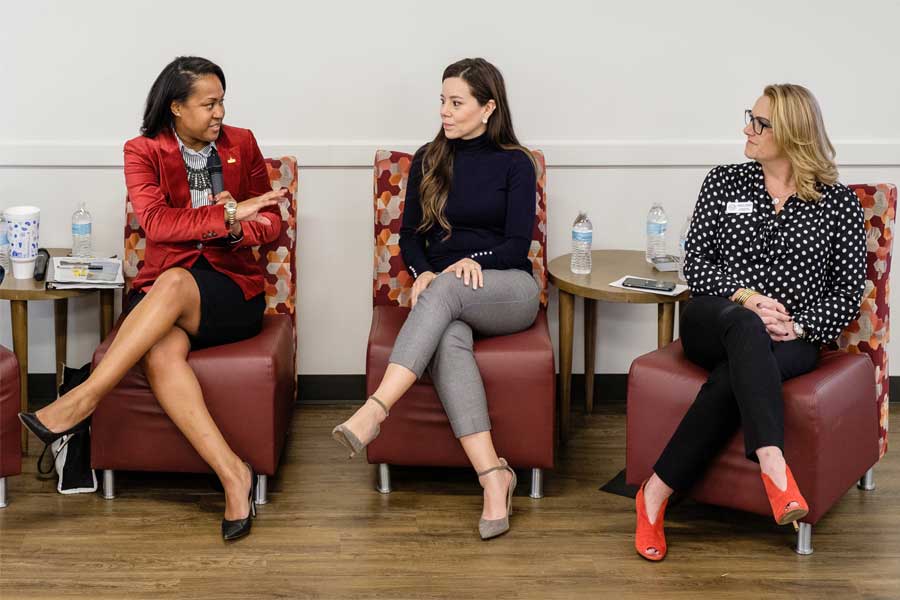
(656, 228)
(81, 229)
(582, 236)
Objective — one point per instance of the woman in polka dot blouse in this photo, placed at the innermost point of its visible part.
(776, 264)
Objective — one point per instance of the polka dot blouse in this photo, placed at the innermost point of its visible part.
(811, 256)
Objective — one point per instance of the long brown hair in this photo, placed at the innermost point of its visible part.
(800, 131)
(486, 83)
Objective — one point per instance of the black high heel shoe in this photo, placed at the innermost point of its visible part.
(232, 530)
(34, 424)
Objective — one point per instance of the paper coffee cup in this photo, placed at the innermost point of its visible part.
(23, 231)
(23, 268)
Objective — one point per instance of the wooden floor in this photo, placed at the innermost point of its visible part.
(327, 534)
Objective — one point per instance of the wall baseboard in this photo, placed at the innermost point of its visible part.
(610, 388)
(321, 389)
(351, 389)
(41, 388)
(358, 154)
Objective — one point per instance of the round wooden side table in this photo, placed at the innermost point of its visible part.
(20, 292)
(608, 266)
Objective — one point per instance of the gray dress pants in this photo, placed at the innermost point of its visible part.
(438, 335)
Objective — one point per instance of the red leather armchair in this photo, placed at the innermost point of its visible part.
(518, 369)
(10, 432)
(835, 416)
(249, 386)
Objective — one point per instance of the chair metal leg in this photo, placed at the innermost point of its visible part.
(262, 492)
(537, 484)
(867, 482)
(384, 478)
(109, 484)
(804, 539)
(3, 501)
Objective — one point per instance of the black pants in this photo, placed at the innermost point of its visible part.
(744, 387)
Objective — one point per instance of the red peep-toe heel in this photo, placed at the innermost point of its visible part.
(780, 500)
(649, 535)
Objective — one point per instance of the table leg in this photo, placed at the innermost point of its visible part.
(107, 299)
(566, 330)
(61, 328)
(666, 323)
(590, 343)
(19, 313)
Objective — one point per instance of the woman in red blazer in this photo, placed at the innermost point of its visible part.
(199, 285)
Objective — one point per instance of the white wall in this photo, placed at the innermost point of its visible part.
(630, 101)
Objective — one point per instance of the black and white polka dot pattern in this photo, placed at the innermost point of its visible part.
(811, 256)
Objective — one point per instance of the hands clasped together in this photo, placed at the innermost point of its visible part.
(779, 324)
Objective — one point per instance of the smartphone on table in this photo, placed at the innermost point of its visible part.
(651, 285)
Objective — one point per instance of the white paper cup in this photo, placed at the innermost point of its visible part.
(23, 268)
(23, 231)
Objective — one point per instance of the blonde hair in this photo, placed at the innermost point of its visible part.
(800, 131)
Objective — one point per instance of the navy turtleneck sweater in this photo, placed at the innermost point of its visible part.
(490, 207)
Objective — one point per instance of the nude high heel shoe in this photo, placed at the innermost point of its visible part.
(491, 528)
(348, 439)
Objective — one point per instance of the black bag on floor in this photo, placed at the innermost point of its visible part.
(72, 453)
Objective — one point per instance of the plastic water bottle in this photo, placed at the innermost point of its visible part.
(657, 222)
(582, 237)
(81, 232)
(682, 253)
(4, 243)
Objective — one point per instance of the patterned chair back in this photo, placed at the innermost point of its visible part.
(392, 282)
(278, 258)
(870, 333)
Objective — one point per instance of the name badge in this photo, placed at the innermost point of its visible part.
(739, 207)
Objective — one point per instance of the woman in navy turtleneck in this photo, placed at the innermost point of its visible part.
(467, 225)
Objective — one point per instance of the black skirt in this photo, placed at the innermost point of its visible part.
(225, 316)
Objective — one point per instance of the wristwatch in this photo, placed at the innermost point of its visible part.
(230, 212)
(798, 331)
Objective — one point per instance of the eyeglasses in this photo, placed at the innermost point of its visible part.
(759, 124)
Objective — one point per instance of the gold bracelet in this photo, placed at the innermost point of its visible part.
(745, 295)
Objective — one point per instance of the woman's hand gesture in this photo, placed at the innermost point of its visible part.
(248, 210)
(419, 285)
(469, 270)
(774, 315)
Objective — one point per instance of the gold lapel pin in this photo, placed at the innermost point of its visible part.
(232, 161)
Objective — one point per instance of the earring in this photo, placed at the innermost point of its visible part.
(484, 120)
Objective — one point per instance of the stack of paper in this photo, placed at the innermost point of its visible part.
(83, 273)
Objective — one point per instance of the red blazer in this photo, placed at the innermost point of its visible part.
(158, 189)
